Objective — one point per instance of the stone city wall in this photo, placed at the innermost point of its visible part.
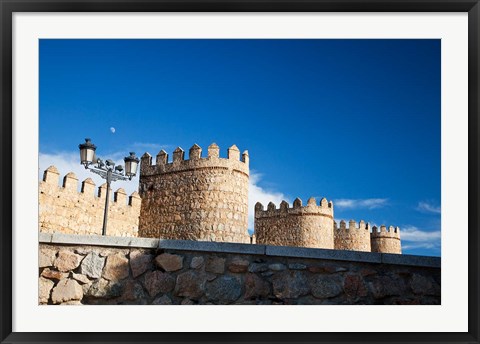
(63, 209)
(384, 240)
(309, 226)
(202, 198)
(352, 238)
(77, 270)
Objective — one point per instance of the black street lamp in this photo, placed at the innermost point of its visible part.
(107, 170)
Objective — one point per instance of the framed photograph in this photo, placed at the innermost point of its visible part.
(239, 171)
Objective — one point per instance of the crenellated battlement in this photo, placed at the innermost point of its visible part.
(324, 208)
(383, 231)
(179, 163)
(351, 225)
(65, 209)
(71, 184)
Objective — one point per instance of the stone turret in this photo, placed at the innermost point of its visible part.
(304, 226)
(199, 198)
(386, 241)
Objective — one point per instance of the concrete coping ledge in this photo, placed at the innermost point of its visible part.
(223, 247)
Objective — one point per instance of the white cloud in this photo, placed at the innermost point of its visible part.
(420, 237)
(112, 129)
(427, 207)
(368, 203)
(258, 194)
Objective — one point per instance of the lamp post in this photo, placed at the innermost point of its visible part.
(107, 170)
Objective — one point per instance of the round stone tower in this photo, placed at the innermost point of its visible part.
(352, 238)
(384, 241)
(309, 226)
(196, 199)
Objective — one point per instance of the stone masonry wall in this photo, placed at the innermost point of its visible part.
(352, 238)
(386, 241)
(108, 270)
(63, 209)
(309, 226)
(196, 199)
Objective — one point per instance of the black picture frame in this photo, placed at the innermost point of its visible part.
(8, 7)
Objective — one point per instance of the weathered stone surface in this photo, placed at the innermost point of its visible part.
(133, 291)
(195, 199)
(190, 284)
(382, 286)
(67, 261)
(46, 257)
(105, 289)
(116, 267)
(92, 265)
(197, 262)
(258, 267)
(158, 282)
(65, 210)
(255, 287)
(71, 303)
(169, 262)
(80, 278)
(140, 262)
(326, 286)
(354, 286)
(67, 290)
(187, 302)
(162, 300)
(52, 274)
(215, 265)
(297, 266)
(277, 267)
(238, 265)
(223, 290)
(424, 285)
(290, 284)
(44, 288)
(326, 269)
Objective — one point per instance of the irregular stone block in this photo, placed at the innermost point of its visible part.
(297, 266)
(277, 267)
(424, 285)
(197, 262)
(190, 284)
(140, 262)
(133, 291)
(326, 286)
(290, 284)
(46, 257)
(238, 265)
(92, 265)
(255, 287)
(169, 262)
(215, 265)
(116, 267)
(258, 267)
(67, 261)
(80, 278)
(223, 290)
(105, 289)
(382, 286)
(162, 300)
(44, 288)
(67, 290)
(52, 274)
(158, 282)
(354, 286)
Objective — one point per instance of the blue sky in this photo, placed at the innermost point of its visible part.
(355, 121)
